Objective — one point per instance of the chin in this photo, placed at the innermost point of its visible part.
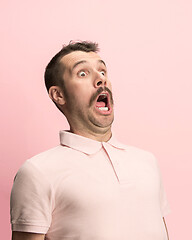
(104, 123)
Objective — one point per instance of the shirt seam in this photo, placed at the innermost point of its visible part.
(29, 224)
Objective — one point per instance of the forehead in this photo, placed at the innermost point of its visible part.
(72, 58)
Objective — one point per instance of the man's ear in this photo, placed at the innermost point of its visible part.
(56, 94)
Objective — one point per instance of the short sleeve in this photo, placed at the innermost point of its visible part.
(31, 201)
(164, 204)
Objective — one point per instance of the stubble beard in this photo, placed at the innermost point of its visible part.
(100, 124)
(103, 125)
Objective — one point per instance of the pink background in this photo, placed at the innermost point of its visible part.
(151, 72)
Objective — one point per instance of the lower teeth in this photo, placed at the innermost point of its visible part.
(103, 108)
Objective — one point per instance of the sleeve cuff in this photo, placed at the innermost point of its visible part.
(29, 228)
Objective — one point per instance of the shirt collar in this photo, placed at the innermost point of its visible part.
(86, 145)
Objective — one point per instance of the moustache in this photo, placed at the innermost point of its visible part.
(100, 90)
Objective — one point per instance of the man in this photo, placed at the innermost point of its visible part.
(90, 187)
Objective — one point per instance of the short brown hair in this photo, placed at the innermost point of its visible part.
(53, 71)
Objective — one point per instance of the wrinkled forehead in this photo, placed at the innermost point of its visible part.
(69, 60)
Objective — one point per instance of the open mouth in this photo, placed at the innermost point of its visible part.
(102, 102)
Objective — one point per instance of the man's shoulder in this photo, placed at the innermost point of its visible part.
(130, 149)
(136, 150)
(140, 154)
(48, 159)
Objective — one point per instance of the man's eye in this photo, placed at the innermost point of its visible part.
(82, 74)
(103, 72)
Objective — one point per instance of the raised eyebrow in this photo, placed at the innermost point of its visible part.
(83, 61)
(101, 61)
(77, 63)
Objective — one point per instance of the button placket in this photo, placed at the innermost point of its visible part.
(113, 164)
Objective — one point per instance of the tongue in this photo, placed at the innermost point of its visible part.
(100, 104)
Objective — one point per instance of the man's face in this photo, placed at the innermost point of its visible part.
(89, 104)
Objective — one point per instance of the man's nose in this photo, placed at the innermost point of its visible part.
(100, 80)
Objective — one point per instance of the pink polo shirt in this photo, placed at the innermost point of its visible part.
(89, 190)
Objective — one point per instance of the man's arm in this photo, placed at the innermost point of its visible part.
(27, 236)
(166, 228)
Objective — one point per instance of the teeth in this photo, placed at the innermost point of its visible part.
(103, 108)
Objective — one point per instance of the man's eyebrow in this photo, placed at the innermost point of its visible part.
(101, 61)
(77, 63)
(83, 61)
